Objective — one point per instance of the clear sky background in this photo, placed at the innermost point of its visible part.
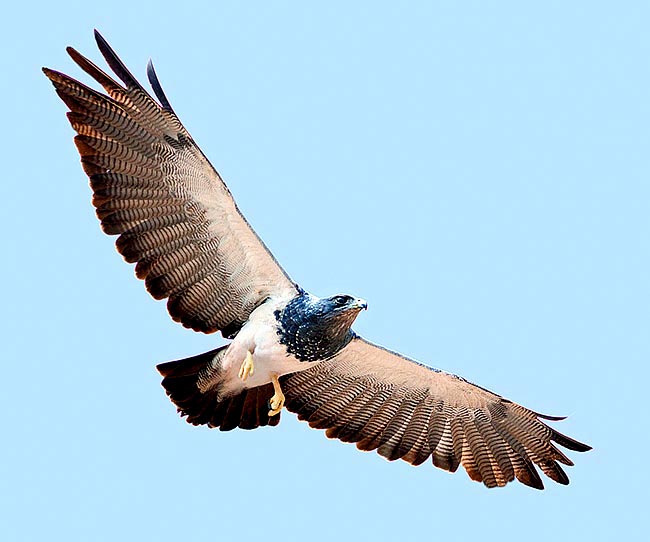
(478, 171)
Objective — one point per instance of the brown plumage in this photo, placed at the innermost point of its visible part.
(385, 402)
(176, 220)
(173, 213)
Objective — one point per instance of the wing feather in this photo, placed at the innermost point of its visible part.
(325, 416)
(154, 187)
(405, 410)
(414, 447)
(348, 413)
(500, 452)
(352, 432)
(393, 434)
(373, 430)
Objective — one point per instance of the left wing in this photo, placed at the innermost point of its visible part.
(153, 186)
(381, 400)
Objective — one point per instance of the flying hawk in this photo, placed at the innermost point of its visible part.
(177, 221)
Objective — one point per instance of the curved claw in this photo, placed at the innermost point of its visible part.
(276, 403)
(247, 367)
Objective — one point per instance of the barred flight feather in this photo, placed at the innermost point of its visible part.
(325, 416)
(408, 411)
(374, 428)
(391, 437)
(348, 413)
(353, 429)
(155, 189)
(499, 450)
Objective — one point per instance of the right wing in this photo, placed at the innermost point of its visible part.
(386, 402)
(173, 213)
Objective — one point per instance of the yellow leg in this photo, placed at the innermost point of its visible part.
(247, 368)
(277, 401)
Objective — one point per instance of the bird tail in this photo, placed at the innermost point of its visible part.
(193, 384)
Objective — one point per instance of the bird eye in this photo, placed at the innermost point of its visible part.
(340, 300)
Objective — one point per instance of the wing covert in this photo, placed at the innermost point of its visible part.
(174, 215)
(386, 402)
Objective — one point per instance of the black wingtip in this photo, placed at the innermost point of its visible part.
(550, 418)
(157, 88)
(116, 64)
(530, 477)
(569, 443)
(100, 40)
(561, 439)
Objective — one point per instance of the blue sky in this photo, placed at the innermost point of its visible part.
(479, 173)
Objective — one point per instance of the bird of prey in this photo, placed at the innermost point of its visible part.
(177, 221)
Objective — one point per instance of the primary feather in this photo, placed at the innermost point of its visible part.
(173, 213)
(404, 410)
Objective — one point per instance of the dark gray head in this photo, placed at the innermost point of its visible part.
(314, 329)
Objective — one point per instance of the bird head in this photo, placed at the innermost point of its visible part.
(344, 304)
(316, 328)
(340, 311)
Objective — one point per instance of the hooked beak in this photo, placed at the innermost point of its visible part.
(360, 304)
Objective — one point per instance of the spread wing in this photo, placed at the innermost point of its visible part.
(404, 410)
(175, 217)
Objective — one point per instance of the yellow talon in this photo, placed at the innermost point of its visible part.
(277, 401)
(247, 367)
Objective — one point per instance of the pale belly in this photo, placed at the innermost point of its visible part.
(258, 336)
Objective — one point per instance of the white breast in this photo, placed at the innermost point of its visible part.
(259, 336)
